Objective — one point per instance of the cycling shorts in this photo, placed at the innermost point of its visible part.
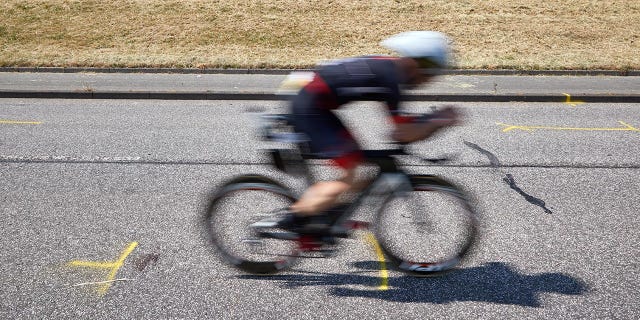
(328, 137)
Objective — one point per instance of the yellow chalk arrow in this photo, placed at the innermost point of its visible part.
(510, 127)
(114, 266)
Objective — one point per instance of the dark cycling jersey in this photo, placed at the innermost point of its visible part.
(335, 84)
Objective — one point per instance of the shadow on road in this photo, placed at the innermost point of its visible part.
(494, 282)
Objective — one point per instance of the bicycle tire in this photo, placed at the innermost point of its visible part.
(443, 222)
(237, 204)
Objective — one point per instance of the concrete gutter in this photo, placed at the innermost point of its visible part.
(177, 84)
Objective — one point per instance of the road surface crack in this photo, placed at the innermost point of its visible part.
(508, 178)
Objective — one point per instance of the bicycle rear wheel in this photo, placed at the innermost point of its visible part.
(429, 230)
(236, 205)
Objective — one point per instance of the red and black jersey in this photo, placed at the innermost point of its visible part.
(337, 83)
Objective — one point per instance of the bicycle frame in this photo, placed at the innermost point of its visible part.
(390, 181)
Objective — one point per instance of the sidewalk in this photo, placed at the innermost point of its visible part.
(229, 86)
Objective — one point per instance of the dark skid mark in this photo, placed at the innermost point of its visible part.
(145, 260)
(531, 199)
(508, 179)
(492, 158)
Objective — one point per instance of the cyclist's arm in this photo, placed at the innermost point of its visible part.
(411, 132)
(411, 129)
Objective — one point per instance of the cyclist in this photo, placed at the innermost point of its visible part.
(423, 55)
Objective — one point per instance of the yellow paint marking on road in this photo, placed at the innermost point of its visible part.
(384, 274)
(3, 121)
(510, 127)
(114, 266)
(573, 103)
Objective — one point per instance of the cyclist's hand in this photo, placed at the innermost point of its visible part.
(426, 125)
(448, 115)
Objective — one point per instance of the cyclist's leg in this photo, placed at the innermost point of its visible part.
(323, 195)
(329, 137)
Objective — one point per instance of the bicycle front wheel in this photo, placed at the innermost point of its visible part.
(429, 230)
(238, 204)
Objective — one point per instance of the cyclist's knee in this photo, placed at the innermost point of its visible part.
(348, 176)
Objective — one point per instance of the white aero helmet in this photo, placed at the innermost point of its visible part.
(429, 48)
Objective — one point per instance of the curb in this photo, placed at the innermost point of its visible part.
(143, 95)
(506, 72)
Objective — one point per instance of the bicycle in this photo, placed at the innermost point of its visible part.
(441, 240)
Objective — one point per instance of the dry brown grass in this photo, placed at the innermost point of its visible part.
(522, 34)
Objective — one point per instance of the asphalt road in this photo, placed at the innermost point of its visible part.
(556, 186)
